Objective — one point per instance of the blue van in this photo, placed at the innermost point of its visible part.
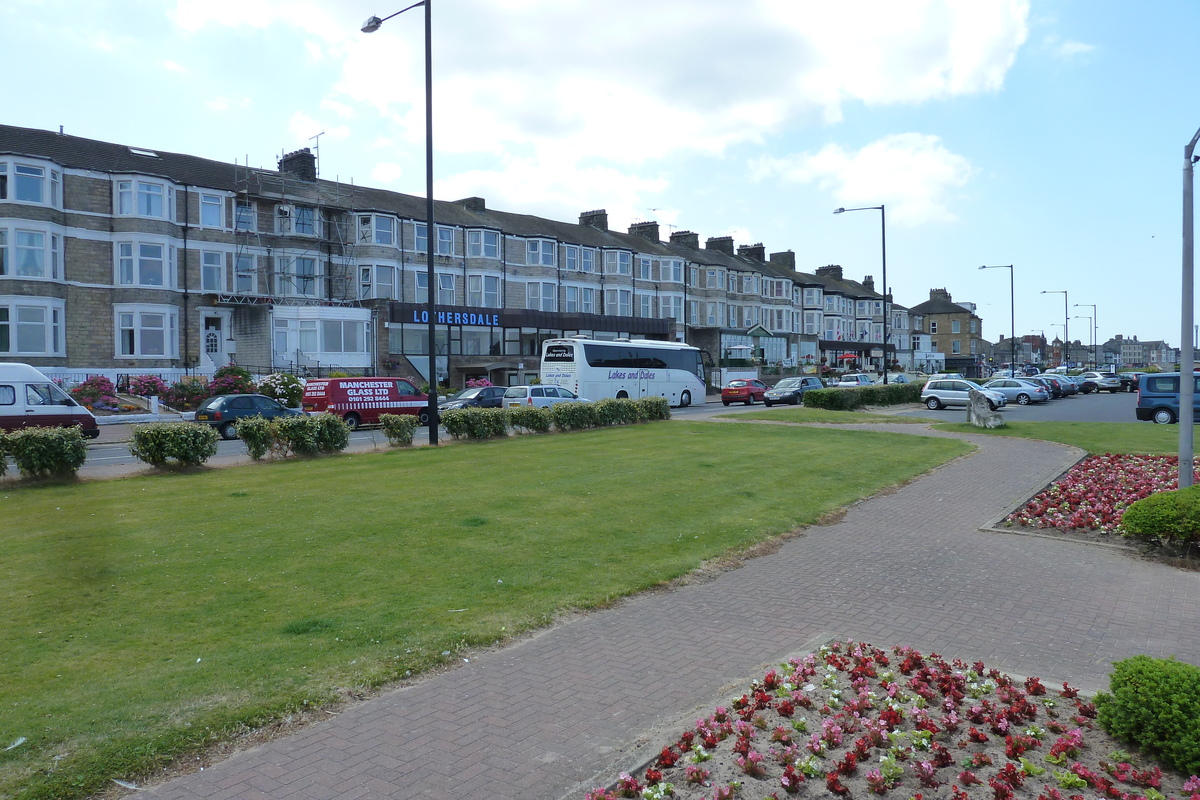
(1158, 398)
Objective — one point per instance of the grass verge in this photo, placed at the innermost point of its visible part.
(150, 617)
(1094, 437)
(802, 414)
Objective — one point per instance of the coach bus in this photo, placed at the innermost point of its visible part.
(625, 368)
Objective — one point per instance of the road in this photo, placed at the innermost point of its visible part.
(1102, 407)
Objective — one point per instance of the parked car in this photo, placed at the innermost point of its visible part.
(855, 379)
(1021, 392)
(1107, 381)
(29, 399)
(1051, 382)
(940, 392)
(224, 410)
(475, 397)
(896, 377)
(360, 401)
(1087, 385)
(1158, 398)
(790, 390)
(1129, 380)
(743, 390)
(541, 396)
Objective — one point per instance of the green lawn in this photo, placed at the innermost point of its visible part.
(1094, 437)
(802, 414)
(149, 616)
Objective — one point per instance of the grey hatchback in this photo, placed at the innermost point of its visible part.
(224, 410)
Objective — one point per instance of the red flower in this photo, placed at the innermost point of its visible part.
(834, 784)
(653, 776)
(667, 757)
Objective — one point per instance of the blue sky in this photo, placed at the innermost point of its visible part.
(1047, 135)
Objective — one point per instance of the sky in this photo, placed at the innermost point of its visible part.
(1045, 134)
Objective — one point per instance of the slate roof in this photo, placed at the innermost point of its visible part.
(940, 305)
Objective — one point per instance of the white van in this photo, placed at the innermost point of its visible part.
(28, 399)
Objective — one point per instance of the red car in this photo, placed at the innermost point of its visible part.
(743, 391)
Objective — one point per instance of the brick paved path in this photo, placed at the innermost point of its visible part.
(562, 712)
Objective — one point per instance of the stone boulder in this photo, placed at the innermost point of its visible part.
(979, 411)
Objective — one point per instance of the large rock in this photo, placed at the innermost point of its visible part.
(979, 411)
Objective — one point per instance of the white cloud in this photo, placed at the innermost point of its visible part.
(1066, 49)
(341, 109)
(302, 126)
(912, 174)
(387, 173)
(172, 66)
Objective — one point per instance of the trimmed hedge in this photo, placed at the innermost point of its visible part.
(303, 435)
(1172, 516)
(1154, 705)
(47, 452)
(3, 453)
(189, 443)
(398, 428)
(475, 423)
(532, 418)
(575, 416)
(893, 394)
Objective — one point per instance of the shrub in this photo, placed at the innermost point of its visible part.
(332, 433)
(574, 416)
(284, 387)
(398, 428)
(531, 418)
(1154, 705)
(188, 443)
(3, 453)
(295, 435)
(833, 399)
(186, 394)
(39, 452)
(231, 379)
(616, 412)
(97, 390)
(476, 383)
(1172, 516)
(653, 409)
(475, 423)
(302, 435)
(147, 386)
(256, 434)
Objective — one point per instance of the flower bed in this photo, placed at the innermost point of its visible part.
(1095, 492)
(853, 721)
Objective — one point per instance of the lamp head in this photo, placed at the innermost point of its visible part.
(839, 211)
(372, 24)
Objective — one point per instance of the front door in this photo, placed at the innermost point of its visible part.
(213, 342)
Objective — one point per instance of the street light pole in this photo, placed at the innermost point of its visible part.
(1095, 335)
(1091, 328)
(883, 241)
(1066, 361)
(1187, 363)
(370, 26)
(1012, 310)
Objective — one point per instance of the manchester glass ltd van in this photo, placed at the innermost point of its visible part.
(28, 399)
(1158, 398)
(360, 401)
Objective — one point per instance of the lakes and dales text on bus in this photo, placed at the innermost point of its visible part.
(631, 368)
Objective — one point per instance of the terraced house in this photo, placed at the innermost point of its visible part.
(131, 260)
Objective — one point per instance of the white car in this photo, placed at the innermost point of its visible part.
(855, 379)
(1104, 380)
(941, 392)
(539, 395)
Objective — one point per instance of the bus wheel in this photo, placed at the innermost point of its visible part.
(622, 395)
(685, 399)
(351, 421)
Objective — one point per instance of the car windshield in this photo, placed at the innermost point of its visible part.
(790, 383)
(736, 384)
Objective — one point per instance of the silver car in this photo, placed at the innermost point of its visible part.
(941, 392)
(542, 396)
(1019, 391)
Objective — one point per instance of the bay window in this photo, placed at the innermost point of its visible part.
(617, 262)
(35, 255)
(483, 244)
(483, 290)
(618, 302)
(144, 264)
(143, 199)
(540, 296)
(31, 326)
(30, 183)
(540, 252)
(146, 331)
(587, 300)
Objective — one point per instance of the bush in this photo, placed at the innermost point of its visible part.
(616, 412)
(874, 395)
(1172, 516)
(147, 386)
(231, 379)
(97, 390)
(574, 416)
(188, 443)
(294, 435)
(398, 428)
(476, 423)
(40, 452)
(257, 435)
(1154, 705)
(3, 453)
(833, 399)
(302, 435)
(476, 383)
(284, 387)
(332, 432)
(653, 409)
(531, 418)
(186, 394)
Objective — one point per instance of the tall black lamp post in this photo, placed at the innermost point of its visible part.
(883, 240)
(1012, 312)
(1066, 361)
(370, 26)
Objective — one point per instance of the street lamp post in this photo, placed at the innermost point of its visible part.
(370, 26)
(1066, 327)
(1095, 332)
(1187, 362)
(1092, 329)
(883, 241)
(1012, 310)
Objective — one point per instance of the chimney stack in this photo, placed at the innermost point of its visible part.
(756, 251)
(646, 230)
(595, 219)
(686, 239)
(301, 163)
(722, 244)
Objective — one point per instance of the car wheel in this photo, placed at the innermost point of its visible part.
(724, 402)
(933, 404)
(1023, 399)
(1164, 416)
(1112, 391)
(795, 399)
(749, 400)
(766, 402)
(685, 399)
(351, 421)
(229, 430)
(991, 405)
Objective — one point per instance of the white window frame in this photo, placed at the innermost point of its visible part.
(933, 326)
(540, 252)
(645, 306)
(483, 243)
(132, 260)
(212, 264)
(541, 296)
(587, 300)
(48, 252)
(446, 289)
(243, 271)
(137, 197)
(377, 282)
(587, 259)
(245, 215)
(618, 303)
(23, 174)
(53, 312)
(645, 269)
(133, 344)
(210, 204)
(294, 283)
(955, 326)
(483, 291)
(618, 262)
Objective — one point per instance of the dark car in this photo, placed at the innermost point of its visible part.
(743, 390)
(224, 410)
(1050, 382)
(476, 397)
(791, 390)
